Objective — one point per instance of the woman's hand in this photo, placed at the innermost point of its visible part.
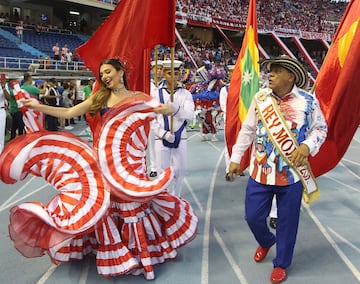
(164, 109)
(31, 103)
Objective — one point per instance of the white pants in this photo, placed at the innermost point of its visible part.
(226, 155)
(2, 128)
(273, 211)
(151, 150)
(175, 157)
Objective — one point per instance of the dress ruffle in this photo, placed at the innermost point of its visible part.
(135, 236)
(121, 151)
(67, 163)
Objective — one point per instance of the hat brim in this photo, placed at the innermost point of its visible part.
(167, 64)
(294, 66)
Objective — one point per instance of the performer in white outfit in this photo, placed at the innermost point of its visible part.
(3, 94)
(222, 100)
(156, 77)
(171, 144)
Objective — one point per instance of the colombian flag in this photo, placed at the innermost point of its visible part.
(337, 89)
(244, 83)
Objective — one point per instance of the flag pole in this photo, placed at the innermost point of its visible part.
(187, 51)
(172, 87)
(156, 55)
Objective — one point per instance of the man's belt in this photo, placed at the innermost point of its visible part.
(284, 142)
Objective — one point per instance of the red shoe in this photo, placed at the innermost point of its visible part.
(261, 253)
(278, 275)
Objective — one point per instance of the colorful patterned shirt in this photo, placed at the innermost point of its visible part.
(306, 121)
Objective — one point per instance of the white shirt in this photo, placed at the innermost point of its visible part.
(2, 98)
(223, 99)
(184, 110)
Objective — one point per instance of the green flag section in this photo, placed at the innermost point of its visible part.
(244, 83)
(249, 83)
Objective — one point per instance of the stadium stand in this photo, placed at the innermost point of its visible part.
(303, 28)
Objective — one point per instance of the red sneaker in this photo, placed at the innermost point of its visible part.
(278, 275)
(261, 253)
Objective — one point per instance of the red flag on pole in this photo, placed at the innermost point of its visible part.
(337, 87)
(129, 33)
(244, 83)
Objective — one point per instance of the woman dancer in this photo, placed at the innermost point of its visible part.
(143, 224)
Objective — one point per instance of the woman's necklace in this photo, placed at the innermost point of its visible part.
(117, 90)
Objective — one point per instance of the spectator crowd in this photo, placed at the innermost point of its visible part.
(305, 15)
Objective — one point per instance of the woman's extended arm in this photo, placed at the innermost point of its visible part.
(60, 112)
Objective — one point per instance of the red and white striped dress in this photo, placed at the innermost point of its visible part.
(106, 204)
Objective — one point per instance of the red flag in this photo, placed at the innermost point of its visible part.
(337, 87)
(244, 84)
(129, 33)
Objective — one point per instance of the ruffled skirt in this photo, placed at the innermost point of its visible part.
(134, 236)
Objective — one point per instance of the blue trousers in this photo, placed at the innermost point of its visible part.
(257, 207)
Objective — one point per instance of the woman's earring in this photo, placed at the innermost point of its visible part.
(122, 80)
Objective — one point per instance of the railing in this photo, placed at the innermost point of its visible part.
(33, 64)
(44, 28)
(111, 2)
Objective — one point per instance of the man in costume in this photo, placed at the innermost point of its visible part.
(222, 100)
(285, 125)
(170, 130)
(4, 93)
(156, 77)
(17, 123)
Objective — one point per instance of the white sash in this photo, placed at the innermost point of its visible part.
(283, 139)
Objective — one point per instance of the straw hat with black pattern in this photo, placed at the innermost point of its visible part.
(293, 65)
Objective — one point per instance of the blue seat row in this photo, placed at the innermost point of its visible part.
(43, 42)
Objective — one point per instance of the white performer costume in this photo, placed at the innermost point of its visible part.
(2, 119)
(151, 150)
(156, 73)
(222, 99)
(183, 111)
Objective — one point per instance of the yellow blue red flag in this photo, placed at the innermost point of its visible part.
(244, 83)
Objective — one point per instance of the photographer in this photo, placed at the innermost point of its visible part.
(67, 98)
(51, 97)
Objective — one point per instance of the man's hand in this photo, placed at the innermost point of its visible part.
(299, 156)
(234, 168)
(169, 137)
